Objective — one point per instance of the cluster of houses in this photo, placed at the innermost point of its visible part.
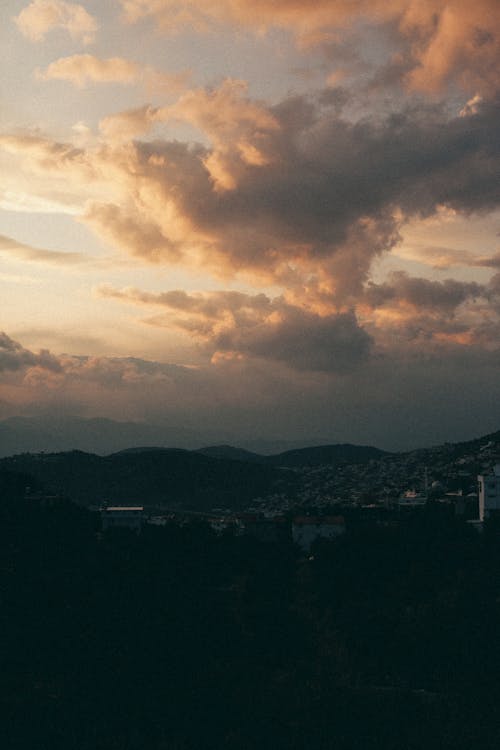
(304, 529)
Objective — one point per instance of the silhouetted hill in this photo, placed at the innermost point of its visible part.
(145, 449)
(326, 454)
(98, 435)
(169, 477)
(315, 456)
(475, 444)
(232, 454)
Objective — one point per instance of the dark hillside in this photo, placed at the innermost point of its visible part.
(327, 454)
(232, 454)
(167, 477)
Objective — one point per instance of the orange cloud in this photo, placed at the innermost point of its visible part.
(460, 42)
(445, 40)
(129, 124)
(38, 255)
(80, 70)
(42, 16)
(292, 194)
(237, 127)
(236, 325)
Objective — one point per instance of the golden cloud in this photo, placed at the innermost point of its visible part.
(237, 325)
(42, 16)
(444, 40)
(80, 70)
(292, 194)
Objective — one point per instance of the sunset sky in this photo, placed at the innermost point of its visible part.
(266, 220)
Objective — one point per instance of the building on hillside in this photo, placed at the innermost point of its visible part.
(412, 499)
(122, 516)
(307, 529)
(489, 493)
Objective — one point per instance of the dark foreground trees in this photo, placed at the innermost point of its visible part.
(178, 639)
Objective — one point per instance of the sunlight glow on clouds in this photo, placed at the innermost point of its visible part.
(42, 16)
(331, 240)
(82, 70)
(444, 38)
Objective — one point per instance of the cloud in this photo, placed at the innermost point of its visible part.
(423, 294)
(460, 44)
(303, 340)
(80, 70)
(233, 324)
(129, 124)
(15, 357)
(38, 255)
(443, 258)
(437, 256)
(441, 40)
(402, 400)
(83, 69)
(404, 314)
(489, 261)
(324, 196)
(23, 202)
(292, 194)
(410, 314)
(471, 107)
(235, 125)
(42, 16)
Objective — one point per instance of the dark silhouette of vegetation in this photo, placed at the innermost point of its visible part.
(340, 453)
(170, 477)
(179, 639)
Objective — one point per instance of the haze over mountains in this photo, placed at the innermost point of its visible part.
(104, 436)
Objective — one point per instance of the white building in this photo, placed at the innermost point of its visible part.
(123, 516)
(489, 493)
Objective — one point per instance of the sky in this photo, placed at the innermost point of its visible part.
(259, 220)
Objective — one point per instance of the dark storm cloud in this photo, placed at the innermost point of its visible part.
(334, 343)
(423, 294)
(234, 323)
(13, 356)
(326, 197)
(288, 191)
(325, 175)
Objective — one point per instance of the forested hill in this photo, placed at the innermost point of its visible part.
(167, 477)
(327, 454)
(219, 476)
(314, 456)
